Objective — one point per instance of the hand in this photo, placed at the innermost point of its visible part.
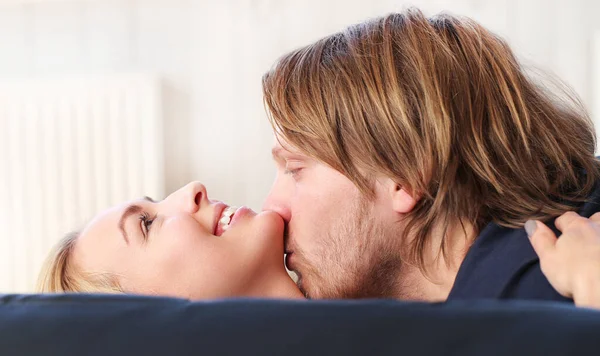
(572, 262)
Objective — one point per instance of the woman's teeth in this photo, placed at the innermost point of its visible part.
(226, 217)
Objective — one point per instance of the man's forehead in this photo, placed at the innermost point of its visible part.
(281, 144)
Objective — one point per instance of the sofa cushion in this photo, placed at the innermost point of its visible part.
(137, 325)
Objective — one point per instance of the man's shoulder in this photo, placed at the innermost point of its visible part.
(502, 264)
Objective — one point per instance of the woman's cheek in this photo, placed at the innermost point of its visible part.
(183, 227)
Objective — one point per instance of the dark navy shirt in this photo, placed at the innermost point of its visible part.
(501, 264)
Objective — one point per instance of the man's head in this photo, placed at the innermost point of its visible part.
(334, 230)
(404, 126)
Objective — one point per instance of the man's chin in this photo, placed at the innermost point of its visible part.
(300, 285)
(297, 277)
(291, 264)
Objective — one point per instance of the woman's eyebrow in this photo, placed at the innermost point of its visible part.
(130, 210)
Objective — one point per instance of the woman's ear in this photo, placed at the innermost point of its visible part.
(402, 201)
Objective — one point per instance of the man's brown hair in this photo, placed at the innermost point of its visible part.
(442, 106)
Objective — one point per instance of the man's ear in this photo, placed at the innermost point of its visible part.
(402, 201)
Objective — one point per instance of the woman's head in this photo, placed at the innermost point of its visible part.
(184, 246)
(442, 107)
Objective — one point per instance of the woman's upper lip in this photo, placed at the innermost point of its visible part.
(219, 207)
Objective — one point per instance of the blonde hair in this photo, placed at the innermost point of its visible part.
(442, 106)
(60, 275)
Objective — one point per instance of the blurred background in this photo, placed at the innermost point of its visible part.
(103, 101)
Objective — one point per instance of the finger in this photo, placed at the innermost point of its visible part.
(595, 218)
(566, 219)
(542, 238)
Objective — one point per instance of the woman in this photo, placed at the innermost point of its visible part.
(572, 262)
(183, 246)
(191, 247)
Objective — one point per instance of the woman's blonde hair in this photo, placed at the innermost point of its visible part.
(443, 107)
(60, 275)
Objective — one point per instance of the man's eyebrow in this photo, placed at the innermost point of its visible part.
(276, 152)
(149, 199)
(281, 152)
(130, 210)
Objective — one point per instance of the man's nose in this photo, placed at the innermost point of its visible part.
(279, 205)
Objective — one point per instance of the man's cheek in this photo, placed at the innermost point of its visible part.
(305, 236)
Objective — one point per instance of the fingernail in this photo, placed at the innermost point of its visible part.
(530, 227)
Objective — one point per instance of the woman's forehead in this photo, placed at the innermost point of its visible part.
(100, 239)
(104, 219)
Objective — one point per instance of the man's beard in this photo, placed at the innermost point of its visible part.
(356, 258)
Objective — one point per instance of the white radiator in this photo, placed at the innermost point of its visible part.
(68, 149)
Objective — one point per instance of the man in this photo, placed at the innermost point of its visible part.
(410, 152)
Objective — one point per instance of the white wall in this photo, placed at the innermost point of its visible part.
(211, 55)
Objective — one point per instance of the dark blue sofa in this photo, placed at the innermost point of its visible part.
(133, 325)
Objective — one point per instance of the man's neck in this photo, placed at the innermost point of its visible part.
(435, 285)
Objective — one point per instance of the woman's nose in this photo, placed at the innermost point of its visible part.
(194, 197)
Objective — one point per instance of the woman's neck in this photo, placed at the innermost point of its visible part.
(277, 285)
